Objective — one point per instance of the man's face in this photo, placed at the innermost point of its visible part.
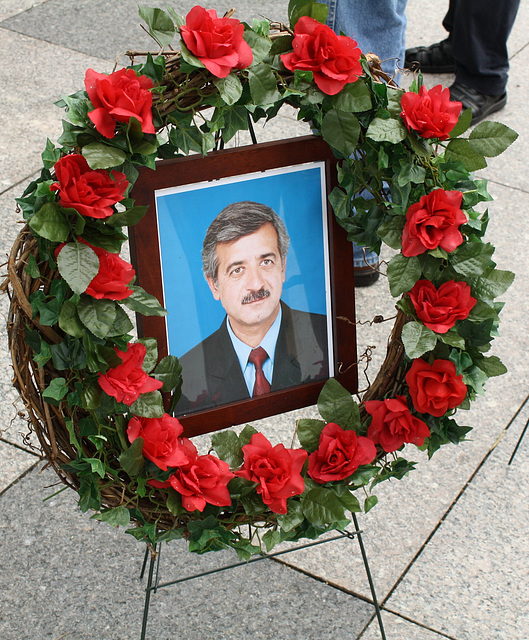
(250, 281)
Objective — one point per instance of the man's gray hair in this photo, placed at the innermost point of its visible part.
(234, 222)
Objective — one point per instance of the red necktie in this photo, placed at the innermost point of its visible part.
(257, 357)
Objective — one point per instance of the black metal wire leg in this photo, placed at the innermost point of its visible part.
(155, 558)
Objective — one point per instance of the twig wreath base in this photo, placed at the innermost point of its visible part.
(404, 180)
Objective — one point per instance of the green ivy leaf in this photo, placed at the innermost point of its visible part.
(103, 156)
(142, 302)
(51, 223)
(387, 130)
(336, 404)
(491, 138)
(97, 315)
(417, 339)
(159, 23)
(230, 88)
(492, 366)
(78, 264)
(403, 273)
(148, 405)
(116, 517)
(55, 391)
(341, 131)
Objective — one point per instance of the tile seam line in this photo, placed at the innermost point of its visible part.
(20, 477)
(21, 448)
(454, 503)
(59, 46)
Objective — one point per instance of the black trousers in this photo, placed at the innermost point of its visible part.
(479, 30)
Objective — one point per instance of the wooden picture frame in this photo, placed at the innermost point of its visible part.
(183, 195)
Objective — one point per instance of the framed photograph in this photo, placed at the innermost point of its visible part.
(243, 250)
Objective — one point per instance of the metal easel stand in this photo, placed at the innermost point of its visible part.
(153, 580)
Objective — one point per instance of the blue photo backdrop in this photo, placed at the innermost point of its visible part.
(296, 194)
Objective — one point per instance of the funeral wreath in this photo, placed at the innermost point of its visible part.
(93, 392)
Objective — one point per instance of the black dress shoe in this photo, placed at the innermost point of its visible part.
(481, 104)
(437, 58)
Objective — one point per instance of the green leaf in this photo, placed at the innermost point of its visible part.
(336, 404)
(246, 434)
(370, 503)
(68, 354)
(492, 366)
(355, 97)
(142, 302)
(230, 88)
(132, 459)
(341, 131)
(228, 447)
(308, 432)
(293, 517)
(127, 218)
(387, 130)
(263, 84)
(452, 338)
(122, 324)
(151, 356)
(462, 151)
(169, 371)
(417, 339)
(299, 8)
(97, 315)
(259, 44)
(97, 466)
(184, 134)
(463, 123)
(160, 25)
(103, 156)
(55, 391)
(403, 273)
(495, 283)
(50, 155)
(148, 405)
(51, 223)
(491, 138)
(347, 498)
(321, 506)
(390, 231)
(235, 120)
(471, 259)
(78, 264)
(116, 517)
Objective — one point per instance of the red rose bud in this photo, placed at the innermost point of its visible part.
(112, 278)
(334, 60)
(202, 480)
(128, 380)
(439, 309)
(217, 42)
(435, 388)
(90, 192)
(161, 440)
(118, 97)
(433, 222)
(339, 454)
(430, 112)
(393, 425)
(276, 470)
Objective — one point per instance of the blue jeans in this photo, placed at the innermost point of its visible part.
(379, 26)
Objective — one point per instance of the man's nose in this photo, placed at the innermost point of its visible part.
(254, 279)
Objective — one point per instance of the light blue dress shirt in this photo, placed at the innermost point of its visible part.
(243, 352)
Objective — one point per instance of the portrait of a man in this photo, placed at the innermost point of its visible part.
(262, 345)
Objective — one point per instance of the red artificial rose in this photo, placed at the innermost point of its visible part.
(90, 192)
(435, 388)
(430, 112)
(161, 440)
(393, 425)
(276, 470)
(118, 97)
(203, 479)
(112, 278)
(339, 454)
(217, 42)
(334, 60)
(128, 380)
(433, 222)
(439, 309)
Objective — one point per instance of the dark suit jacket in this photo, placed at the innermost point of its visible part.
(212, 374)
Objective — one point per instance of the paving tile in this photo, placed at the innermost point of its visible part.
(471, 580)
(396, 628)
(72, 575)
(9, 8)
(13, 463)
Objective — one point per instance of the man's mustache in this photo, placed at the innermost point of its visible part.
(253, 296)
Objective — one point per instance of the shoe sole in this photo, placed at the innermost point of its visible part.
(496, 106)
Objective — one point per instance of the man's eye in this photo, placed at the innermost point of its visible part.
(237, 271)
(267, 262)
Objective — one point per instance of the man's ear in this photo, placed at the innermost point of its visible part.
(213, 287)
